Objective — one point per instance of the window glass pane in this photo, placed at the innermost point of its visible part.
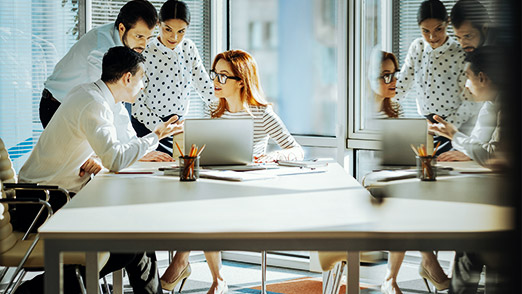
(296, 55)
(104, 11)
(372, 34)
(34, 36)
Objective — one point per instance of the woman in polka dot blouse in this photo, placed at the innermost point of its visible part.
(173, 68)
(434, 68)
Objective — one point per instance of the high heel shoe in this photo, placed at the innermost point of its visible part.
(426, 276)
(387, 287)
(169, 286)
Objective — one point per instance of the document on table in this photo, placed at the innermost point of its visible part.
(228, 175)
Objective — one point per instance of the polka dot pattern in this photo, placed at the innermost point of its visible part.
(438, 76)
(172, 75)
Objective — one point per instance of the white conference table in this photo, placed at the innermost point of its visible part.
(327, 211)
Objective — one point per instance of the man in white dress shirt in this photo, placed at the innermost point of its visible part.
(483, 81)
(89, 122)
(133, 28)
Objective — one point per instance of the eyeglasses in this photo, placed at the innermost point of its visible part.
(389, 77)
(221, 77)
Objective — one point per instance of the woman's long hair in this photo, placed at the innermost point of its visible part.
(244, 67)
(374, 71)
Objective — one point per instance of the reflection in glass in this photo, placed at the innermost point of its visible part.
(295, 44)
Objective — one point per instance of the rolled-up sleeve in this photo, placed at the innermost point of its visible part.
(97, 123)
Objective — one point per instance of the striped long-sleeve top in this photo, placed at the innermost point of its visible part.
(267, 124)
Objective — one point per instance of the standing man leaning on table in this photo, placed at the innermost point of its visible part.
(91, 121)
(133, 28)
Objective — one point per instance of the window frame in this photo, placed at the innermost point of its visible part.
(358, 137)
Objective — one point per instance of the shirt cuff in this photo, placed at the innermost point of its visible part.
(153, 141)
(458, 142)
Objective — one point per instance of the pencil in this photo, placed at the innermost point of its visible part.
(415, 151)
(179, 149)
(435, 150)
(201, 150)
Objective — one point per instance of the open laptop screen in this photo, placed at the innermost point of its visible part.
(228, 141)
(397, 135)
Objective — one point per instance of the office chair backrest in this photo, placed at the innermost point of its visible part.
(7, 238)
(7, 172)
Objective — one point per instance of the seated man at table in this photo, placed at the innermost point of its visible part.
(485, 74)
(483, 82)
(88, 123)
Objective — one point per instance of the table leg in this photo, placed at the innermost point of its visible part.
(117, 282)
(352, 281)
(91, 269)
(263, 272)
(53, 268)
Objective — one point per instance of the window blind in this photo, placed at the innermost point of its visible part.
(34, 36)
(104, 11)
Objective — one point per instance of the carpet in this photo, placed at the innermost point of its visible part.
(305, 285)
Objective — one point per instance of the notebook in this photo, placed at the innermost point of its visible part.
(228, 141)
(397, 135)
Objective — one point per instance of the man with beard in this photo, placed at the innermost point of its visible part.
(133, 28)
(470, 22)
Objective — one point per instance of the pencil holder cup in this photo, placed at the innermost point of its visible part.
(188, 168)
(426, 168)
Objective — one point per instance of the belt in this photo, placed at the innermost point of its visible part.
(47, 95)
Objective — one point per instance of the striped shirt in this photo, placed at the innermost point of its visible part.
(267, 124)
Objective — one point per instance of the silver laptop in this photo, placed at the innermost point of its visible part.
(228, 141)
(397, 135)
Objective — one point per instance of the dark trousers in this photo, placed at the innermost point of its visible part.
(165, 144)
(445, 144)
(468, 267)
(48, 106)
(23, 215)
(141, 268)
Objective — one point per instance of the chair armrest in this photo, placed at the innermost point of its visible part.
(36, 187)
(30, 201)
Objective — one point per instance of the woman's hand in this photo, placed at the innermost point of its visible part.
(91, 166)
(157, 156)
(171, 127)
(295, 153)
(453, 155)
(442, 128)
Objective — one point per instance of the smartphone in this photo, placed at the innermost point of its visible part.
(431, 119)
(166, 118)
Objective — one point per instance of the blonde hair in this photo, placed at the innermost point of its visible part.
(245, 68)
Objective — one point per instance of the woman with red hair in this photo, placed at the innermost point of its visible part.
(239, 93)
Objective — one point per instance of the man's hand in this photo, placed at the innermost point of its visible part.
(91, 166)
(168, 128)
(442, 128)
(157, 156)
(453, 156)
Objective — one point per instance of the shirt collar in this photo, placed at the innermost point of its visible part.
(106, 93)
(162, 48)
(116, 36)
(440, 50)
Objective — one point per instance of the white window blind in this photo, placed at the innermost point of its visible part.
(104, 11)
(34, 35)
